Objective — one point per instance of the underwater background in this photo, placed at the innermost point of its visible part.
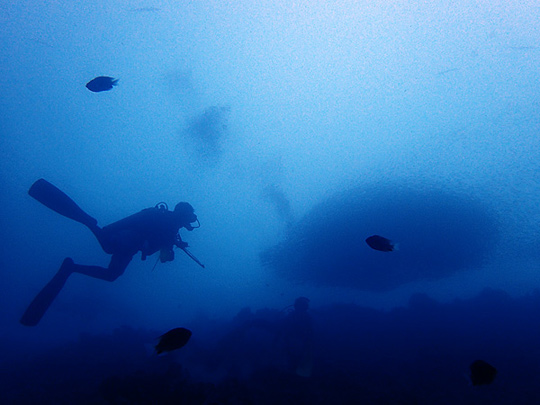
(296, 130)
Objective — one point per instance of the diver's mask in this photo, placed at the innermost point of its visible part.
(193, 224)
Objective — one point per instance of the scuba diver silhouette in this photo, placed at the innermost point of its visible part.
(296, 337)
(148, 231)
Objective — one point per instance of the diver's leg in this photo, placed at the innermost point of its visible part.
(116, 268)
(102, 237)
(115, 242)
(46, 296)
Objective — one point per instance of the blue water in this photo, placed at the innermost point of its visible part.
(295, 131)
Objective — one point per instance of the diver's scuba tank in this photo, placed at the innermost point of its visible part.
(137, 219)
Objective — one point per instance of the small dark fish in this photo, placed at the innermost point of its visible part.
(144, 9)
(482, 373)
(101, 83)
(443, 72)
(523, 48)
(381, 243)
(173, 339)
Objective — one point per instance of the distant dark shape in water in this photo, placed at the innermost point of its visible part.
(207, 132)
(275, 195)
(380, 243)
(173, 340)
(446, 231)
(210, 124)
(482, 373)
(101, 83)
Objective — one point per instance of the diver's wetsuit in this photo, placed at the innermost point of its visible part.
(148, 231)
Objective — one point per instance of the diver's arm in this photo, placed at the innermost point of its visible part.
(167, 252)
(179, 243)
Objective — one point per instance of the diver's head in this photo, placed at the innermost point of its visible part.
(186, 215)
(301, 304)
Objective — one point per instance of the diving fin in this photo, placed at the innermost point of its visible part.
(46, 296)
(55, 199)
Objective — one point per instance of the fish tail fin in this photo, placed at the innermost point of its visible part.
(395, 247)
